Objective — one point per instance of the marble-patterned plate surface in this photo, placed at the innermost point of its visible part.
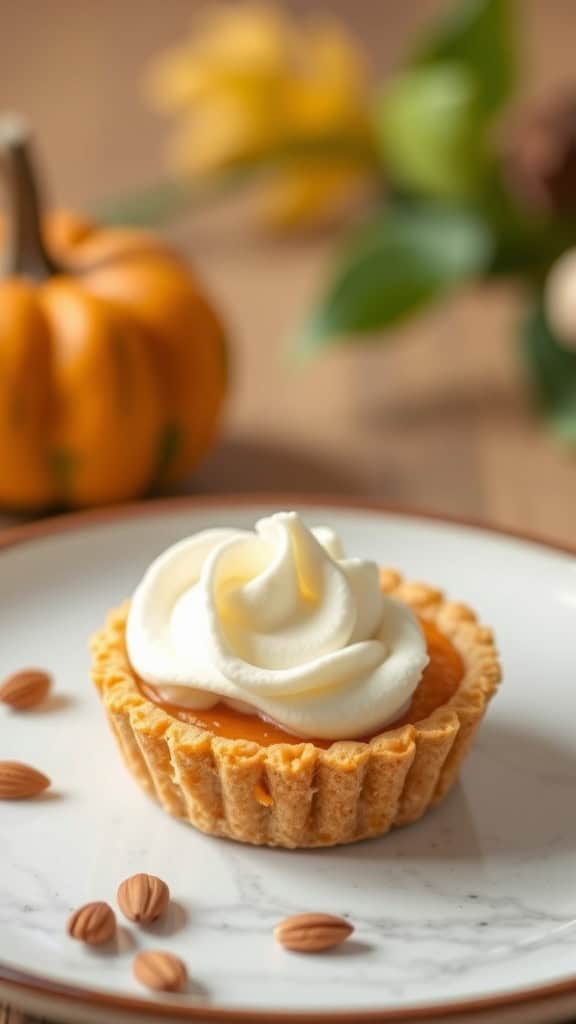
(470, 913)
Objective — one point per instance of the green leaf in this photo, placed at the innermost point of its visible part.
(479, 35)
(408, 257)
(431, 133)
(552, 370)
(434, 121)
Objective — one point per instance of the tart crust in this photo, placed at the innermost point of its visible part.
(297, 794)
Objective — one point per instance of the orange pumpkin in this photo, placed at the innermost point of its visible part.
(112, 361)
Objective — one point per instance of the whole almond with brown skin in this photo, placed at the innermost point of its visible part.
(94, 923)
(20, 781)
(26, 689)
(311, 933)
(143, 898)
(161, 971)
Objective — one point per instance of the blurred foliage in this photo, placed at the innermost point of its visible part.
(409, 255)
(252, 85)
(552, 372)
(478, 35)
(261, 97)
(432, 132)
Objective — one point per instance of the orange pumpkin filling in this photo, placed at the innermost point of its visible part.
(439, 682)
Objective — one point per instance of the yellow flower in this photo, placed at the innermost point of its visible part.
(253, 86)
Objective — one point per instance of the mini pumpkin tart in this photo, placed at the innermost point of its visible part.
(265, 688)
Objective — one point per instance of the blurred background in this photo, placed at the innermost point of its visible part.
(439, 417)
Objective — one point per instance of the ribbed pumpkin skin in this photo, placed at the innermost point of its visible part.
(112, 371)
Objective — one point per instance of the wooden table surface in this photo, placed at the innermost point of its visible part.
(439, 417)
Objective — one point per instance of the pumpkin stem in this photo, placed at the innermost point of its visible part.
(26, 253)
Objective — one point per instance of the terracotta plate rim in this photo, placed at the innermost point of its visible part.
(18, 982)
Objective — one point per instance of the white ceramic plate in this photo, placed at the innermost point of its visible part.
(472, 911)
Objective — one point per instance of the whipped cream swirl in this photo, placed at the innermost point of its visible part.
(276, 622)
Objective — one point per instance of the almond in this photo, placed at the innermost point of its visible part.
(143, 897)
(20, 782)
(310, 933)
(161, 971)
(94, 923)
(25, 689)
